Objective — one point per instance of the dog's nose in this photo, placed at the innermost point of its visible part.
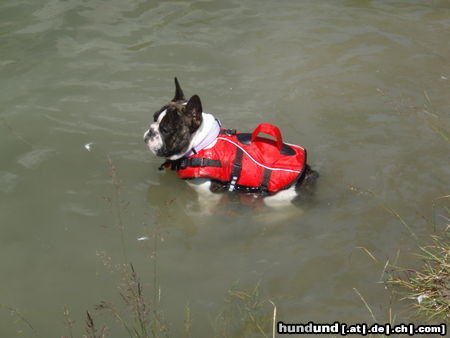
(148, 135)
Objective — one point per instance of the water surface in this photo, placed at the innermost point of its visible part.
(363, 85)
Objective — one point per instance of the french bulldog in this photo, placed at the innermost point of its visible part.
(181, 128)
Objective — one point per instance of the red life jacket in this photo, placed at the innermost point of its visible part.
(246, 162)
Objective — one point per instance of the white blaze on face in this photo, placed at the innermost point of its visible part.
(155, 141)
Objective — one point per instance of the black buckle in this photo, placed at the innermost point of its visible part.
(229, 132)
(181, 164)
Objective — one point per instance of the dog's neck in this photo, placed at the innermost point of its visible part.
(204, 137)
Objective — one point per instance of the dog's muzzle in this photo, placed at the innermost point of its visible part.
(149, 134)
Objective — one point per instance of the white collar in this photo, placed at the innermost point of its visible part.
(205, 135)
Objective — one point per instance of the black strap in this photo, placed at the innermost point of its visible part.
(183, 163)
(237, 168)
(229, 132)
(266, 179)
(198, 162)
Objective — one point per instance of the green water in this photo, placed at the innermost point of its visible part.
(363, 85)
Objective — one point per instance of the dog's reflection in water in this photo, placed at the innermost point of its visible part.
(187, 204)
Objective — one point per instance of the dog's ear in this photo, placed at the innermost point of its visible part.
(179, 95)
(194, 110)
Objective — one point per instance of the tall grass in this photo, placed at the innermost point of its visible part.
(19, 317)
(246, 314)
(136, 314)
(139, 313)
(429, 287)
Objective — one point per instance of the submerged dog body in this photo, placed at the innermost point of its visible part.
(180, 130)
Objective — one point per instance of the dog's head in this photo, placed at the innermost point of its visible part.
(174, 125)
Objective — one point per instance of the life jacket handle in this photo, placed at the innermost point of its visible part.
(271, 130)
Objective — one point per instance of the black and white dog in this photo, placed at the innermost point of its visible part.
(181, 128)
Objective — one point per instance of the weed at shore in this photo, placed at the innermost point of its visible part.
(246, 314)
(429, 288)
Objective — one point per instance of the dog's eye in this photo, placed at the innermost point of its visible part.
(164, 130)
